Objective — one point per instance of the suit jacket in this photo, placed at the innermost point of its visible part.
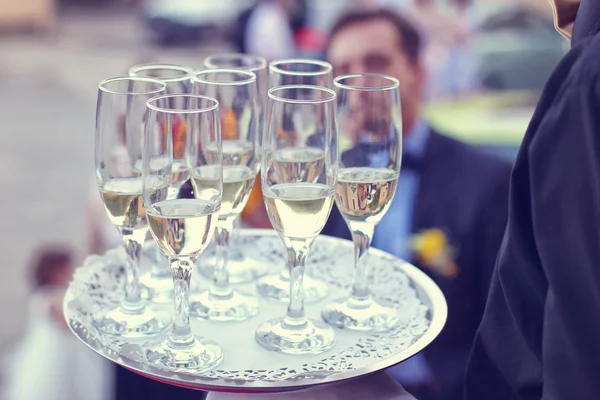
(131, 386)
(539, 334)
(464, 192)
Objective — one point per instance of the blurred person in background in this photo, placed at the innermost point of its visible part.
(448, 60)
(299, 16)
(269, 32)
(451, 203)
(49, 363)
(460, 77)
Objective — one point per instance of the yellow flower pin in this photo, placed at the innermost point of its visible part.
(433, 250)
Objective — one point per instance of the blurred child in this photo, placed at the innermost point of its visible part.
(49, 363)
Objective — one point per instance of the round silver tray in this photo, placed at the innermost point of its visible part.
(247, 367)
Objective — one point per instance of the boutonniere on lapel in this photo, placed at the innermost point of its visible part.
(433, 251)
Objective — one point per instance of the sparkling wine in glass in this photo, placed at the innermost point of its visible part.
(303, 162)
(182, 226)
(156, 284)
(298, 204)
(120, 122)
(370, 124)
(241, 267)
(236, 92)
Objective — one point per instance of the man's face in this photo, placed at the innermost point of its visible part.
(373, 47)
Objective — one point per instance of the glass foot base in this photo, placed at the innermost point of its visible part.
(277, 287)
(240, 269)
(200, 355)
(309, 338)
(129, 324)
(235, 307)
(359, 315)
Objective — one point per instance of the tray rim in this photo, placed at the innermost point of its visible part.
(439, 312)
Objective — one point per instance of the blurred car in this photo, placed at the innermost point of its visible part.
(494, 121)
(173, 22)
(517, 48)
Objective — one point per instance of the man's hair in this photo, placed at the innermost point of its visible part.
(408, 36)
(47, 261)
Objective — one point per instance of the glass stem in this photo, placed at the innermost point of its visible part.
(133, 240)
(235, 241)
(362, 242)
(220, 287)
(297, 251)
(181, 333)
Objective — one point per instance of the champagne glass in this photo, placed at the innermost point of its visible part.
(297, 72)
(235, 90)
(157, 285)
(370, 121)
(245, 62)
(176, 77)
(300, 72)
(298, 198)
(119, 140)
(241, 267)
(182, 226)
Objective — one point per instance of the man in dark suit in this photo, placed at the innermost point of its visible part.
(450, 208)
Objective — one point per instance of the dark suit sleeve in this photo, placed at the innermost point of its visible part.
(539, 334)
(492, 224)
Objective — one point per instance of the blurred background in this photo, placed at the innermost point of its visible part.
(54, 52)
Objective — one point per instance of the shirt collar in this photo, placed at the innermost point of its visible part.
(416, 139)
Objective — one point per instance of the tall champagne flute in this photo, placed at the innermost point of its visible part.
(236, 92)
(245, 62)
(157, 285)
(177, 81)
(307, 159)
(241, 267)
(182, 226)
(119, 141)
(371, 150)
(300, 72)
(298, 200)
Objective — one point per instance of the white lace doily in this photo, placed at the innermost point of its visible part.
(99, 281)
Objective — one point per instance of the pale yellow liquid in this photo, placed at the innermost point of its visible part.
(124, 202)
(365, 194)
(298, 210)
(238, 181)
(183, 227)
